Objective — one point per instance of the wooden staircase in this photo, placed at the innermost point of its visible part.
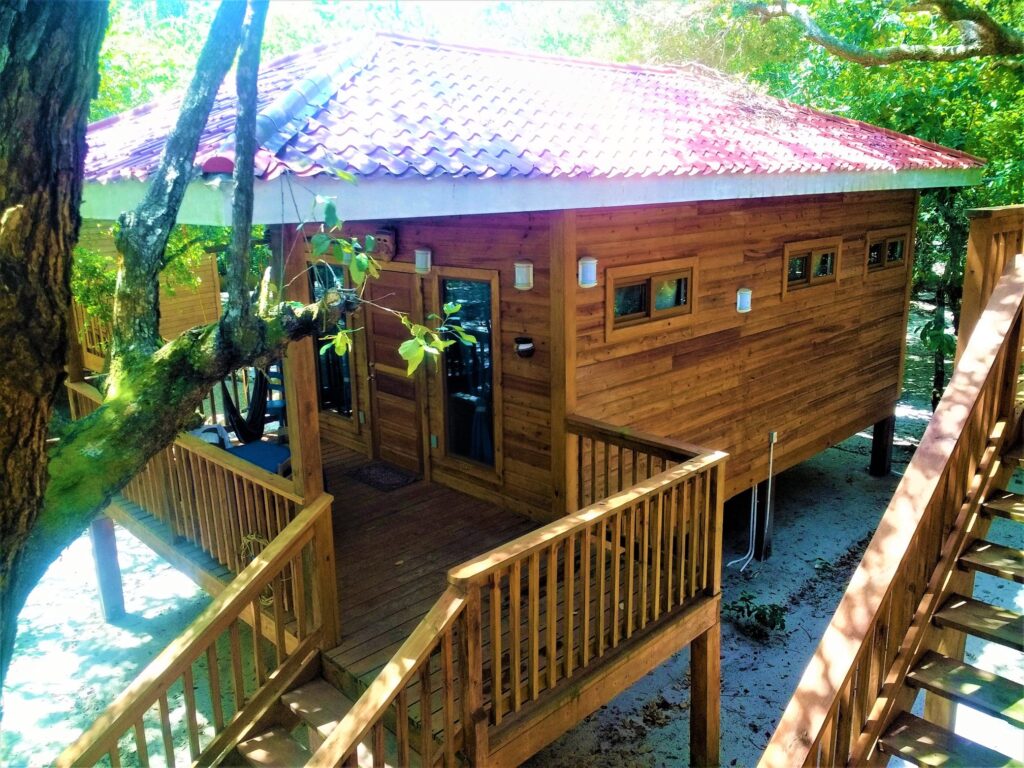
(918, 741)
(305, 717)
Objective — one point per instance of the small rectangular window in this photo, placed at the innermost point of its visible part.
(798, 272)
(810, 262)
(887, 248)
(640, 300)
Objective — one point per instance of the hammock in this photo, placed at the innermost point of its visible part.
(248, 428)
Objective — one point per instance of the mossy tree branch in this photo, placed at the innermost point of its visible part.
(981, 35)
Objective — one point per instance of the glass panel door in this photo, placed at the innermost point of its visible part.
(468, 368)
(333, 373)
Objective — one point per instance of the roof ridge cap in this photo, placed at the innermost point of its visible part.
(552, 57)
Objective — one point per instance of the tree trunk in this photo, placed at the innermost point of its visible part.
(939, 356)
(48, 73)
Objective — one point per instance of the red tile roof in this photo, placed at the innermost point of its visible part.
(402, 107)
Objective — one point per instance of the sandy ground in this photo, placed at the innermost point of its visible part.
(69, 663)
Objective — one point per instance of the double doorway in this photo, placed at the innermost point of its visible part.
(445, 415)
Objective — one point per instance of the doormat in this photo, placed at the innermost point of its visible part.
(382, 476)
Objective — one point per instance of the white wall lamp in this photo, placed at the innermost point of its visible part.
(524, 275)
(587, 272)
(422, 260)
(743, 296)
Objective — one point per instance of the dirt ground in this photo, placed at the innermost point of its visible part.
(69, 664)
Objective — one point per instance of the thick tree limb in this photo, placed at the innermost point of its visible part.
(981, 35)
(48, 72)
(142, 239)
(239, 305)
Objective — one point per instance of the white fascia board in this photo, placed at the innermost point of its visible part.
(294, 199)
(204, 203)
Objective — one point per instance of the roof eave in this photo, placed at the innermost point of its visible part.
(293, 199)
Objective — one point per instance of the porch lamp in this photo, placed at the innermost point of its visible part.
(422, 260)
(524, 275)
(587, 272)
(743, 296)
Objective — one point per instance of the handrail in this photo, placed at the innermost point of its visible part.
(204, 493)
(883, 593)
(405, 667)
(278, 567)
(482, 566)
(627, 436)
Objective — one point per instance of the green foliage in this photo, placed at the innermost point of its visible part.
(93, 279)
(754, 619)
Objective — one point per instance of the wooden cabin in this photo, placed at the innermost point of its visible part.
(650, 259)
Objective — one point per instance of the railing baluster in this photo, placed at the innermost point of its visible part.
(515, 626)
(165, 729)
(631, 521)
(426, 716)
(402, 726)
(213, 671)
(569, 580)
(141, 748)
(497, 692)
(644, 508)
(551, 615)
(191, 720)
(238, 679)
(654, 509)
(533, 625)
(448, 697)
(616, 545)
(586, 536)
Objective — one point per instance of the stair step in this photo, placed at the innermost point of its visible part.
(274, 748)
(918, 741)
(998, 625)
(319, 704)
(1010, 506)
(964, 684)
(995, 559)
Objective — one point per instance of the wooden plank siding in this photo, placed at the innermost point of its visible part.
(815, 364)
(523, 479)
(181, 308)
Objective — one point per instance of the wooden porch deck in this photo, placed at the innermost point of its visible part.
(394, 549)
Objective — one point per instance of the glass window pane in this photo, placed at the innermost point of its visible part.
(798, 268)
(894, 250)
(875, 251)
(631, 299)
(824, 263)
(670, 293)
(333, 373)
(469, 394)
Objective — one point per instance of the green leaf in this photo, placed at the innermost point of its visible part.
(419, 331)
(466, 338)
(451, 308)
(411, 351)
(358, 268)
(320, 244)
(370, 244)
(345, 176)
(342, 342)
(325, 347)
(331, 215)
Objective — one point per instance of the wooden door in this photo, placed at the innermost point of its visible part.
(396, 408)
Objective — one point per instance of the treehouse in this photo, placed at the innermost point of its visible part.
(657, 267)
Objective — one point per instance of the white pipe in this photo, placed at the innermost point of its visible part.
(749, 554)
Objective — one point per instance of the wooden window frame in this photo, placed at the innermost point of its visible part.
(440, 457)
(812, 249)
(885, 236)
(651, 319)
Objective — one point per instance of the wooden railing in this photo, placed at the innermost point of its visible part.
(93, 338)
(610, 459)
(523, 622)
(207, 688)
(419, 678)
(854, 683)
(996, 235)
(224, 505)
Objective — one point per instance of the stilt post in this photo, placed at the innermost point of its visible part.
(881, 446)
(705, 692)
(108, 569)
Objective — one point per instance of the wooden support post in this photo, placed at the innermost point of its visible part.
(300, 380)
(108, 570)
(881, 446)
(471, 674)
(563, 361)
(705, 693)
(765, 522)
(325, 596)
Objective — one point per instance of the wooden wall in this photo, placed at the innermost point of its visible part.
(524, 480)
(816, 364)
(181, 308)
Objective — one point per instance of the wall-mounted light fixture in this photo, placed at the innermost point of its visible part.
(524, 346)
(422, 260)
(587, 272)
(524, 275)
(743, 296)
